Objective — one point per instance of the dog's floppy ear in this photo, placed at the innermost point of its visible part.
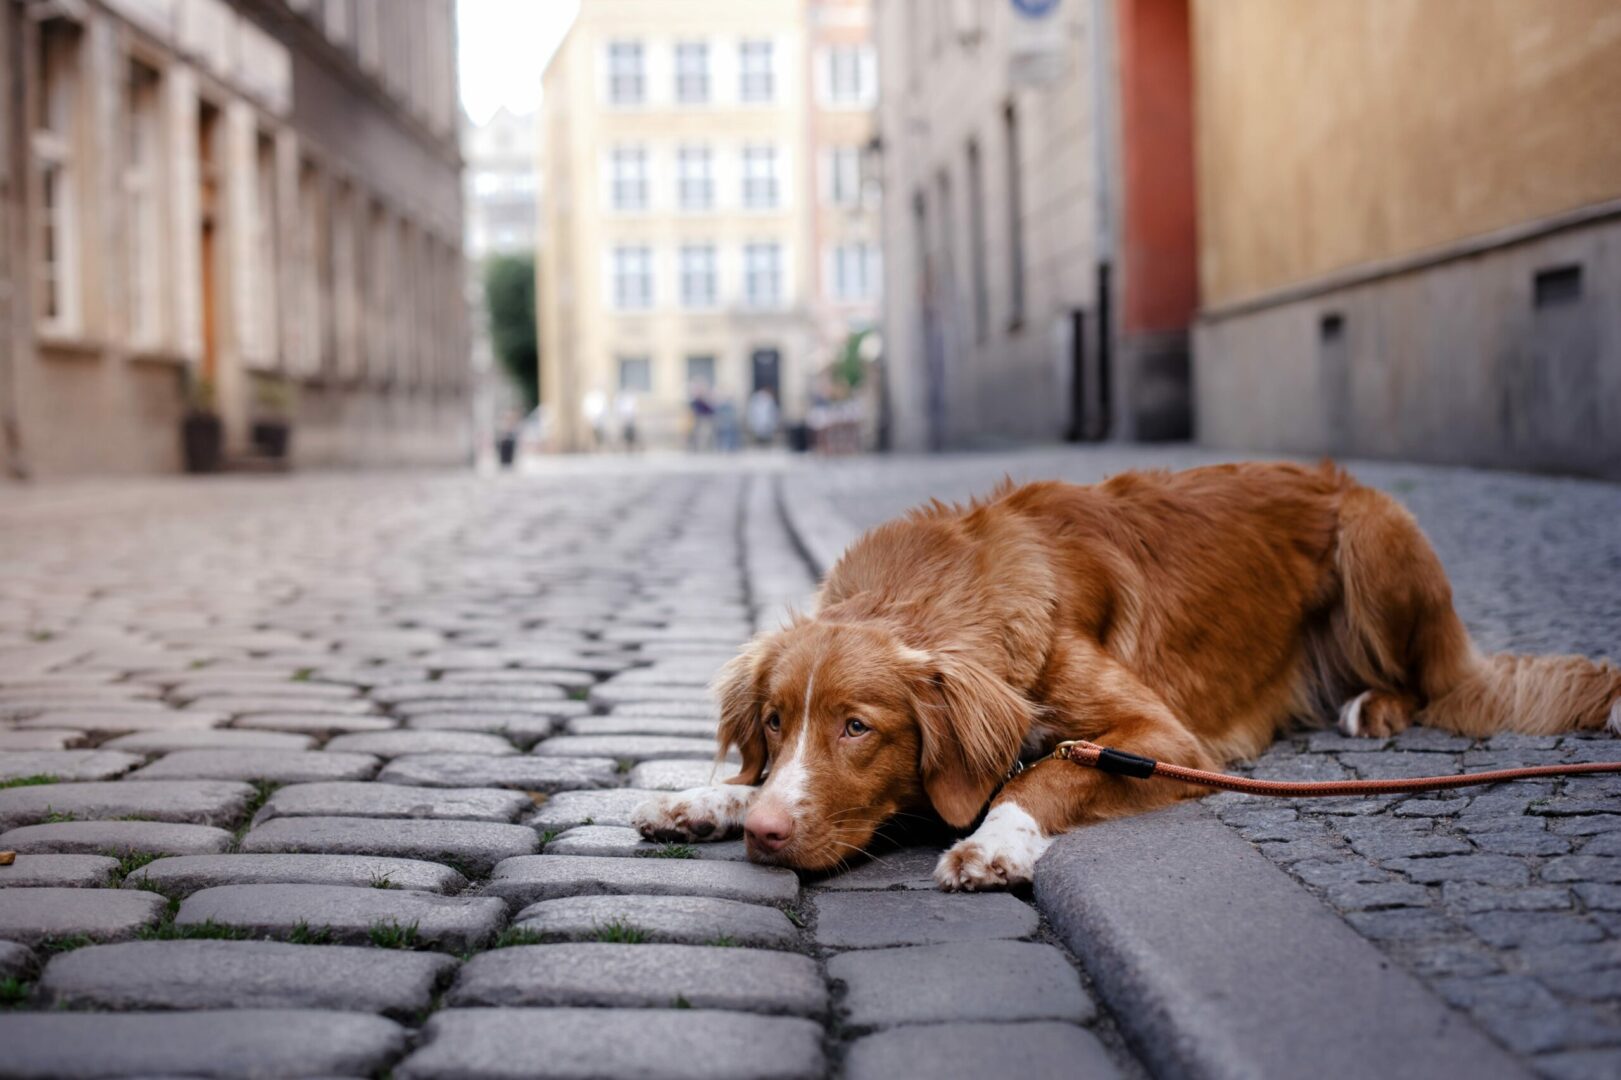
(740, 690)
(972, 725)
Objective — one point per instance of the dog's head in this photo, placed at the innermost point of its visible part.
(847, 726)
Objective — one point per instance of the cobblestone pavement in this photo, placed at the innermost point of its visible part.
(1505, 900)
(331, 776)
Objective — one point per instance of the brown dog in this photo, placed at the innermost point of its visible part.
(1187, 617)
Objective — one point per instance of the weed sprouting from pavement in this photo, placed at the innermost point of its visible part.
(548, 836)
(794, 917)
(620, 933)
(305, 934)
(518, 935)
(29, 781)
(670, 851)
(624, 765)
(381, 880)
(680, 1002)
(14, 992)
(723, 942)
(303, 674)
(62, 943)
(128, 863)
(391, 935)
(57, 817)
(207, 930)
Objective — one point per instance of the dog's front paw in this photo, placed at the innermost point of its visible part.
(707, 813)
(1001, 854)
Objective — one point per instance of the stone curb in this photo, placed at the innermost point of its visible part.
(819, 531)
(1218, 964)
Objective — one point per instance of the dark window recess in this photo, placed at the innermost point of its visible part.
(1560, 285)
(1331, 328)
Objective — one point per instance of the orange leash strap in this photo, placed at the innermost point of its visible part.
(1121, 763)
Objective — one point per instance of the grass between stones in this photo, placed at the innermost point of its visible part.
(620, 933)
(624, 765)
(518, 935)
(794, 917)
(670, 851)
(208, 930)
(548, 836)
(381, 880)
(723, 942)
(14, 993)
(680, 1002)
(62, 943)
(128, 863)
(29, 781)
(56, 817)
(303, 674)
(391, 935)
(305, 934)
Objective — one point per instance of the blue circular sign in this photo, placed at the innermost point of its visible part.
(1035, 9)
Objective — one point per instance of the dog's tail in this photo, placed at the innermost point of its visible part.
(1535, 695)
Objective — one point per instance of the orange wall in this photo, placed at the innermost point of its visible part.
(1159, 236)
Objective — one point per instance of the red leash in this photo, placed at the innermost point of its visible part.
(1121, 763)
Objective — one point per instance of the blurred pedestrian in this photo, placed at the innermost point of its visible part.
(762, 417)
(594, 407)
(702, 434)
(728, 430)
(625, 410)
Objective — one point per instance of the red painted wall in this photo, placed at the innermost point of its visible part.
(1159, 241)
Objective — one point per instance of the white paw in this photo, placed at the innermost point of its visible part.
(1000, 854)
(1614, 723)
(706, 813)
(1351, 715)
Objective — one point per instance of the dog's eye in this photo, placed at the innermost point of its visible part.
(855, 728)
(774, 722)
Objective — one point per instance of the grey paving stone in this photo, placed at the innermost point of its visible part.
(634, 725)
(685, 920)
(975, 1051)
(393, 744)
(278, 766)
(320, 725)
(473, 846)
(180, 875)
(1583, 868)
(617, 841)
(66, 765)
(679, 775)
(659, 1044)
(1409, 846)
(530, 712)
(116, 837)
(522, 730)
(41, 739)
(122, 721)
(163, 742)
(347, 799)
(1597, 1064)
(865, 920)
(459, 692)
(520, 771)
(908, 868)
(961, 981)
(257, 686)
(16, 961)
(1485, 869)
(57, 871)
(1366, 896)
(243, 704)
(205, 802)
(452, 923)
(528, 878)
(646, 975)
(224, 1044)
(611, 695)
(689, 710)
(1532, 929)
(30, 916)
(609, 806)
(244, 975)
(1402, 925)
(627, 747)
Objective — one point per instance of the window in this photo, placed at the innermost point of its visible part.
(143, 188)
(855, 273)
(849, 77)
(627, 82)
(1015, 218)
(843, 177)
(695, 177)
(636, 374)
(762, 275)
(263, 334)
(756, 79)
(976, 243)
(701, 371)
(56, 138)
(691, 72)
(698, 266)
(487, 182)
(760, 177)
(628, 169)
(633, 278)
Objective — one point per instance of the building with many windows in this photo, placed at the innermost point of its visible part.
(704, 222)
(249, 210)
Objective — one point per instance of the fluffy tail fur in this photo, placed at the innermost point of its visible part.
(1536, 695)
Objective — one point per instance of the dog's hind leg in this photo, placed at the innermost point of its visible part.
(1409, 656)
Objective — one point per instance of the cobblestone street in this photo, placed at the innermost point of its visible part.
(332, 776)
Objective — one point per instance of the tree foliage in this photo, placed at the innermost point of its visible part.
(509, 297)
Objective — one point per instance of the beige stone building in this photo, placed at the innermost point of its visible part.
(250, 207)
(705, 219)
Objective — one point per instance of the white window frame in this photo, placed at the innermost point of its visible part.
(699, 271)
(762, 275)
(628, 178)
(631, 274)
(626, 60)
(848, 77)
(756, 71)
(842, 181)
(695, 176)
(762, 186)
(56, 139)
(144, 190)
(854, 272)
(709, 381)
(693, 82)
(623, 361)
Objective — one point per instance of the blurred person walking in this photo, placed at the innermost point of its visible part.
(625, 410)
(762, 417)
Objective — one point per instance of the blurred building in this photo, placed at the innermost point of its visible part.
(1037, 176)
(1410, 230)
(249, 208)
(705, 220)
(501, 192)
